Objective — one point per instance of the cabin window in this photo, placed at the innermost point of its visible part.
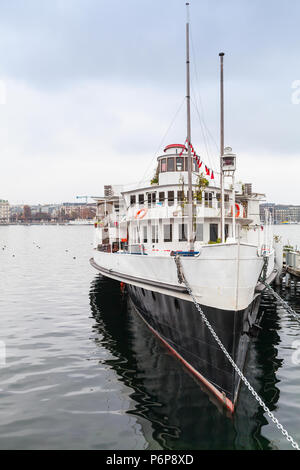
(195, 165)
(188, 194)
(208, 199)
(153, 198)
(167, 232)
(179, 164)
(162, 198)
(213, 232)
(180, 196)
(226, 231)
(149, 199)
(132, 199)
(171, 198)
(141, 199)
(145, 234)
(163, 165)
(182, 235)
(170, 164)
(226, 198)
(154, 234)
(199, 233)
(186, 164)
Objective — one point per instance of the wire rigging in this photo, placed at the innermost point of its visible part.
(163, 138)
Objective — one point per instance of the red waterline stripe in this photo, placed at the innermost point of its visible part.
(229, 405)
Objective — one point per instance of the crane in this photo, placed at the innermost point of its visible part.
(85, 197)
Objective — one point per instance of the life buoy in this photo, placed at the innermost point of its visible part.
(141, 213)
(237, 210)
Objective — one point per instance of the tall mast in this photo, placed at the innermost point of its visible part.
(222, 145)
(188, 113)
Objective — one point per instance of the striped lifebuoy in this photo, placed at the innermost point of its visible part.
(141, 213)
(237, 210)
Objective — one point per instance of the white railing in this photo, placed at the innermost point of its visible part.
(202, 209)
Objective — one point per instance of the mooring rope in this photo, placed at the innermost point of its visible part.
(236, 368)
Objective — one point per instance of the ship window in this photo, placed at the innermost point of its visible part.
(141, 198)
(226, 231)
(226, 198)
(149, 199)
(171, 164)
(145, 235)
(154, 234)
(170, 198)
(186, 164)
(180, 196)
(153, 198)
(132, 199)
(179, 164)
(163, 165)
(162, 198)
(213, 232)
(199, 233)
(193, 195)
(167, 232)
(208, 199)
(195, 166)
(182, 236)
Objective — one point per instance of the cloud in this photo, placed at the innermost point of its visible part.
(93, 86)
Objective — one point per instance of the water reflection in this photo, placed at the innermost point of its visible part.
(172, 409)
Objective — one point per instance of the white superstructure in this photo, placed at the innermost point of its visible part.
(139, 230)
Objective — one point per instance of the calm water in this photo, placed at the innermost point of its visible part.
(83, 371)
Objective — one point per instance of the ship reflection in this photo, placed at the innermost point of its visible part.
(175, 411)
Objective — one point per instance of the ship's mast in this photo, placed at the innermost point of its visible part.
(188, 109)
(222, 146)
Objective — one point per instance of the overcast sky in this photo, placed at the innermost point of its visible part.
(92, 87)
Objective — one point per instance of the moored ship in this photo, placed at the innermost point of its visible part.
(214, 229)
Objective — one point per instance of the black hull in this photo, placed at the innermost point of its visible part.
(179, 325)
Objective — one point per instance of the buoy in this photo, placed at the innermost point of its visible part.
(141, 213)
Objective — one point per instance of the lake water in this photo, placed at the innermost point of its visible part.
(83, 371)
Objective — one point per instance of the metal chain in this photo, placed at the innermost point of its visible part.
(281, 301)
(239, 372)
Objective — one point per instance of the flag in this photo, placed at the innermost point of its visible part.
(212, 175)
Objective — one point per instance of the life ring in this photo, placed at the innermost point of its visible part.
(141, 213)
(237, 210)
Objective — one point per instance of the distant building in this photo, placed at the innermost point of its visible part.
(4, 211)
(280, 212)
(75, 210)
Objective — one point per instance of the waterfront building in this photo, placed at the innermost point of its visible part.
(280, 212)
(4, 211)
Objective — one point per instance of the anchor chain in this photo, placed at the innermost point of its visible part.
(281, 301)
(236, 368)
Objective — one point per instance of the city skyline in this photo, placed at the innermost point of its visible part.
(90, 89)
